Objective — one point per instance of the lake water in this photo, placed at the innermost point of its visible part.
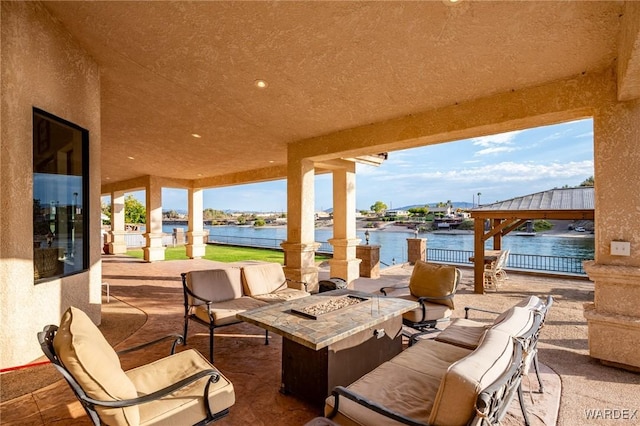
(393, 245)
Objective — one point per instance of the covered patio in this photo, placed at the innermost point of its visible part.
(197, 95)
(146, 302)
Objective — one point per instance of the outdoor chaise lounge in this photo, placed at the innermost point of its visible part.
(182, 388)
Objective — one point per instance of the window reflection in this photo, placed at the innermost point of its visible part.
(60, 182)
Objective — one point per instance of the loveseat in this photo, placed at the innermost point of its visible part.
(213, 297)
(434, 382)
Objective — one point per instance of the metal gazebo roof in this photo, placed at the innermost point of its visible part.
(505, 216)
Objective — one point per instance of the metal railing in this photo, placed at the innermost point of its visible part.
(270, 243)
(526, 262)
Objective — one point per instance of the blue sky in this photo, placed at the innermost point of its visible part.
(499, 167)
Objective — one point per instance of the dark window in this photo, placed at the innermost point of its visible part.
(60, 197)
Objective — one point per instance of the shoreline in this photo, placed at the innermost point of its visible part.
(392, 227)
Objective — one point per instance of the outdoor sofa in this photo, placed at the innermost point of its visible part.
(438, 383)
(213, 297)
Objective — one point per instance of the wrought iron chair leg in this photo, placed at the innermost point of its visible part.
(186, 326)
(537, 370)
(211, 343)
(266, 337)
(522, 407)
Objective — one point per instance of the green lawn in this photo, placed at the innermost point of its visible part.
(224, 254)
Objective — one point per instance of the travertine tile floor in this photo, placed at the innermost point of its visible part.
(575, 384)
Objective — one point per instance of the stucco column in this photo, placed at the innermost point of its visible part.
(195, 245)
(117, 244)
(614, 317)
(344, 264)
(300, 247)
(154, 250)
(416, 249)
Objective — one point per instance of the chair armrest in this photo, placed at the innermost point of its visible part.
(177, 339)
(471, 308)
(384, 290)
(435, 298)
(299, 287)
(380, 409)
(214, 377)
(187, 307)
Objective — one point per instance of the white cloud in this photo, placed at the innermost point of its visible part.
(504, 172)
(495, 150)
(491, 140)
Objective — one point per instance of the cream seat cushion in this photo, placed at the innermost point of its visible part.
(433, 280)
(407, 384)
(433, 311)
(515, 321)
(282, 295)
(94, 364)
(225, 312)
(185, 406)
(463, 332)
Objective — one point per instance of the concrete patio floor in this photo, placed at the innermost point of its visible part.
(578, 389)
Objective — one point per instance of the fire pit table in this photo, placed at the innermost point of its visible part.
(332, 338)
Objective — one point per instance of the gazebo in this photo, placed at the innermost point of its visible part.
(505, 216)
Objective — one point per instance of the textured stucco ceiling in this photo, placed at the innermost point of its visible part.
(170, 69)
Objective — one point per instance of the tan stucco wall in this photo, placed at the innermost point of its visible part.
(617, 173)
(42, 67)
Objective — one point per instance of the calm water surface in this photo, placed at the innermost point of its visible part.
(393, 245)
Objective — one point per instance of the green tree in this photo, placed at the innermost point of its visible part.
(259, 222)
(211, 214)
(106, 210)
(171, 214)
(588, 181)
(379, 207)
(134, 211)
(419, 211)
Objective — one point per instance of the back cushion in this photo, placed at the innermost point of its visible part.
(466, 378)
(216, 285)
(94, 364)
(263, 278)
(433, 280)
(517, 322)
(531, 302)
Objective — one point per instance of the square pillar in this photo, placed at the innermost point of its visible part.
(154, 250)
(370, 260)
(416, 249)
(613, 319)
(345, 264)
(300, 247)
(195, 236)
(117, 244)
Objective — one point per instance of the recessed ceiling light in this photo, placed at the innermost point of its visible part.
(108, 178)
(260, 84)
(131, 158)
(271, 161)
(195, 135)
(199, 174)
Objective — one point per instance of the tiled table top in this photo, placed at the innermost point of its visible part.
(319, 333)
